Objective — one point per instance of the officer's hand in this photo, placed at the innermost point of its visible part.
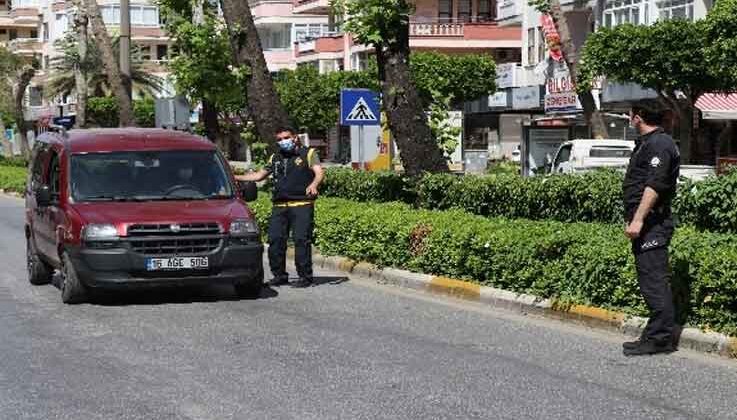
(633, 229)
(312, 190)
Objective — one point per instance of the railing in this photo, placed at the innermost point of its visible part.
(24, 44)
(438, 29)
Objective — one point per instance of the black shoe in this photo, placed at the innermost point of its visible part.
(279, 281)
(647, 347)
(303, 282)
(632, 344)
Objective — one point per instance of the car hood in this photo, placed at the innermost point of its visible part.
(124, 214)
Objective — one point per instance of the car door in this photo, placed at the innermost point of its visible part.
(36, 215)
(45, 226)
(55, 211)
(561, 163)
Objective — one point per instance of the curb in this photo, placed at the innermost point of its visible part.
(691, 338)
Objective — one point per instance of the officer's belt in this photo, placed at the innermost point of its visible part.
(294, 204)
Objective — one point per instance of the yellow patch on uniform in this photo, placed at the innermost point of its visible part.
(299, 161)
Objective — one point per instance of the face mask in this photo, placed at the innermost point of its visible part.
(286, 145)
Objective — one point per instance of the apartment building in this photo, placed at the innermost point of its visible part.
(32, 27)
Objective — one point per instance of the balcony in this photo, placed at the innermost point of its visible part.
(25, 46)
(436, 29)
(477, 33)
(27, 17)
(312, 7)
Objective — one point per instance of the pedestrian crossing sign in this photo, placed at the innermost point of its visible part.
(359, 107)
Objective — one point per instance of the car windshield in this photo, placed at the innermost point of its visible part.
(144, 176)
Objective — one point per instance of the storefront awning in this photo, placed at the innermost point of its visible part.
(717, 106)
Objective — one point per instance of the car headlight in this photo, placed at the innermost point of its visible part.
(243, 227)
(100, 232)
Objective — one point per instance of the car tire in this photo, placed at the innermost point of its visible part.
(251, 288)
(39, 272)
(72, 289)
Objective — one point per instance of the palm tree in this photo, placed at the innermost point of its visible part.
(63, 66)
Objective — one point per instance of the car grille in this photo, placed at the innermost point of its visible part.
(167, 239)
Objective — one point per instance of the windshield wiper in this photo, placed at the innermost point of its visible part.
(111, 198)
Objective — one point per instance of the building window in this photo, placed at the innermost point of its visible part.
(618, 12)
(35, 96)
(445, 10)
(531, 48)
(162, 52)
(46, 61)
(13, 34)
(464, 11)
(110, 14)
(61, 24)
(19, 4)
(359, 61)
(542, 46)
(145, 53)
(34, 34)
(487, 10)
(676, 9)
(45, 31)
(275, 36)
(303, 32)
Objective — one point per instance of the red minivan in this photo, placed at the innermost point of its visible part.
(121, 208)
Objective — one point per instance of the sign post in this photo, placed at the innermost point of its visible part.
(360, 107)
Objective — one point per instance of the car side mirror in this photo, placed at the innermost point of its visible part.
(249, 190)
(43, 196)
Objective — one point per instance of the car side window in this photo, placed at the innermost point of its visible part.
(54, 176)
(563, 155)
(40, 155)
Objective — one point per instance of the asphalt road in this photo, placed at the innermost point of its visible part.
(346, 349)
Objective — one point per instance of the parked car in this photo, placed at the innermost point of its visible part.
(121, 208)
(587, 154)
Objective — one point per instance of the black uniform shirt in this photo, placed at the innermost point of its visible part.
(655, 163)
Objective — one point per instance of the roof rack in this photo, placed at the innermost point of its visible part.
(59, 129)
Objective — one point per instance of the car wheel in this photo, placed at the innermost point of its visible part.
(72, 289)
(38, 271)
(251, 288)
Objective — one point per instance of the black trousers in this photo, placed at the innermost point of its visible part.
(654, 276)
(300, 221)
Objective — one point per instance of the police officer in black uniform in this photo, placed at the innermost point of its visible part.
(297, 174)
(649, 187)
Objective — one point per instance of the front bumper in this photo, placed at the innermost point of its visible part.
(120, 267)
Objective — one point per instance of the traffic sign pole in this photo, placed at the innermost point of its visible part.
(361, 147)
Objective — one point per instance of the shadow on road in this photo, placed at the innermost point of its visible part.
(169, 295)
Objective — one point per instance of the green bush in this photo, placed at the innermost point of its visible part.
(709, 205)
(17, 161)
(12, 178)
(144, 111)
(584, 263)
(103, 111)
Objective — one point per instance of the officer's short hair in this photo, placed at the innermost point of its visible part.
(649, 110)
(284, 128)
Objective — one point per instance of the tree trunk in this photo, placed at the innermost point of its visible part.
(20, 92)
(419, 152)
(686, 131)
(210, 118)
(264, 106)
(406, 116)
(80, 73)
(110, 63)
(592, 114)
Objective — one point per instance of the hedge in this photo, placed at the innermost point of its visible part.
(709, 205)
(12, 178)
(585, 263)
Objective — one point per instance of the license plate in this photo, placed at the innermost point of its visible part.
(177, 263)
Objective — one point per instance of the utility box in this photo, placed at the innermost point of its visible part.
(173, 113)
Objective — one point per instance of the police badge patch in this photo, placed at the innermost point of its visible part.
(655, 162)
(298, 161)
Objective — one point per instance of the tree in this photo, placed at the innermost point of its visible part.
(81, 37)
(668, 57)
(384, 24)
(69, 67)
(110, 62)
(17, 72)
(720, 28)
(570, 55)
(202, 68)
(313, 99)
(264, 107)
(460, 78)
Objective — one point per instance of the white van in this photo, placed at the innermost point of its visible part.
(586, 154)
